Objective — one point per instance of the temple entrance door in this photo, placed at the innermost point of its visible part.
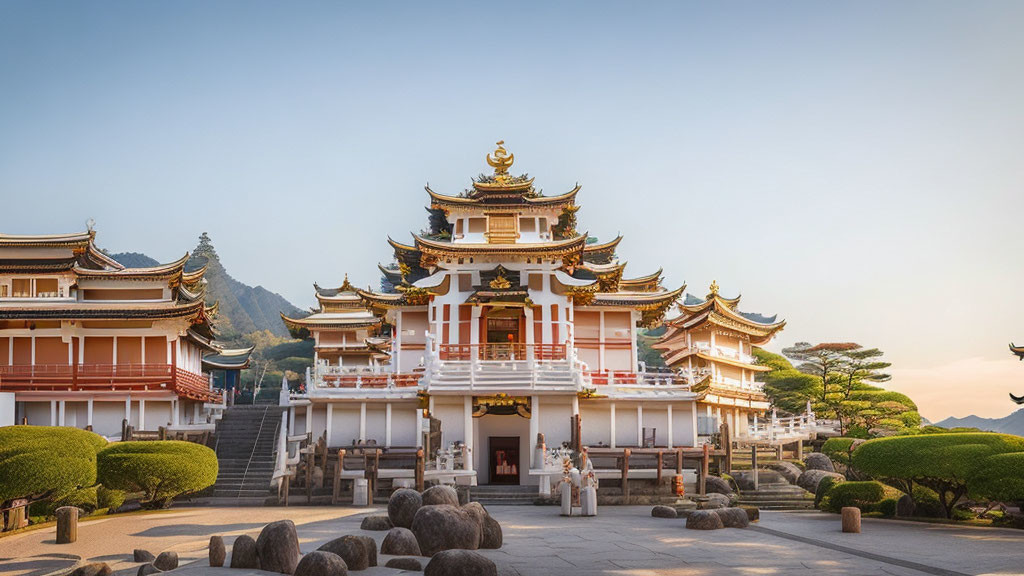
(504, 329)
(504, 462)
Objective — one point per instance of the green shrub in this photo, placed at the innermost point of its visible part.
(863, 495)
(46, 461)
(999, 477)
(926, 503)
(109, 498)
(942, 462)
(84, 498)
(824, 487)
(839, 449)
(887, 507)
(161, 470)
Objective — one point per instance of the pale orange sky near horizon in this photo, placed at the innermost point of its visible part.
(854, 167)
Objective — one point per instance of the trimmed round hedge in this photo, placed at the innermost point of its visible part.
(932, 455)
(999, 477)
(863, 495)
(161, 470)
(46, 460)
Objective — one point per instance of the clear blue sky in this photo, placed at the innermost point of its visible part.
(855, 167)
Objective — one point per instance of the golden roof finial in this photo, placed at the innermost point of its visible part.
(501, 160)
(713, 289)
(346, 286)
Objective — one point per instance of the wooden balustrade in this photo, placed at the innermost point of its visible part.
(120, 377)
(371, 380)
(501, 351)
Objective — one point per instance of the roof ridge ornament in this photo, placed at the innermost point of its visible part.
(713, 289)
(501, 160)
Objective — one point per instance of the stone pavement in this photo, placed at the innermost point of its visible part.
(622, 541)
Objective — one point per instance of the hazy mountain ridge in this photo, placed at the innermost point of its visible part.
(242, 308)
(1012, 424)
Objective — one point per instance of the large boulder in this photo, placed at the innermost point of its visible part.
(402, 507)
(400, 542)
(717, 485)
(905, 506)
(243, 553)
(371, 548)
(819, 461)
(715, 500)
(492, 538)
(147, 569)
(405, 564)
(376, 523)
(704, 520)
(479, 514)
(664, 512)
(753, 512)
(92, 569)
(443, 527)
(733, 517)
(166, 561)
(351, 549)
(809, 480)
(140, 555)
(278, 547)
(788, 470)
(319, 563)
(217, 552)
(460, 563)
(745, 479)
(440, 494)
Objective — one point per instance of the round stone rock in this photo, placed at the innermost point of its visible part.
(166, 561)
(442, 527)
(92, 569)
(704, 520)
(788, 470)
(717, 485)
(320, 563)
(352, 550)
(147, 569)
(440, 494)
(492, 538)
(400, 542)
(460, 563)
(402, 507)
(733, 517)
(809, 480)
(243, 553)
(140, 555)
(819, 461)
(278, 547)
(378, 523)
(405, 564)
(664, 512)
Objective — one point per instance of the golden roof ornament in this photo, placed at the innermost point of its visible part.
(346, 286)
(500, 283)
(713, 289)
(501, 160)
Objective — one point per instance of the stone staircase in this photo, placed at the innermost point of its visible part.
(246, 437)
(774, 492)
(498, 495)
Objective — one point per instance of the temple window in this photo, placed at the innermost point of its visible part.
(21, 288)
(477, 225)
(527, 225)
(46, 288)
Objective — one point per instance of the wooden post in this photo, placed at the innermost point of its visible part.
(286, 486)
(337, 476)
(661, 460)
(753, 465)
(723, 431)
(67, 524)
(779, 450)
(420, 464)
(625, 475)
(704, 470)
(800, 450)
(679, 461)
(161, 433)
(309, 473)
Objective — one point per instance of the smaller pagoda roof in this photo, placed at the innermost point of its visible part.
(228, 359)
(360, 318)
(1018, 350)
(722, 312)
(439, 249)
(601, 252)
(161, 272)
(648, 283)
(84, 252)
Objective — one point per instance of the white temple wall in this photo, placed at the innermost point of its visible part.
(403, 424)
(344, 425)
(7, 409)
(656, 417)
(450, 413)
(625, 425)
(318, 420)
(375, 423)
(595, 422)
(555, 421)
(683, 426)
(107, 417)
(38, 413)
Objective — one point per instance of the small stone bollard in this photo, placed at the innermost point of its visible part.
(360, 492)
(67, 524)
(851, 519)
(217, 551)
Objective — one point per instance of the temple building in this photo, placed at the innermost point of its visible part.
(503, 321)
(711, 343)
(87, 342)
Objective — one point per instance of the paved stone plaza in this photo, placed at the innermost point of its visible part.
(621, 541)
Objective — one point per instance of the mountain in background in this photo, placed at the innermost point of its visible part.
(243, 309)
(1012, 424)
